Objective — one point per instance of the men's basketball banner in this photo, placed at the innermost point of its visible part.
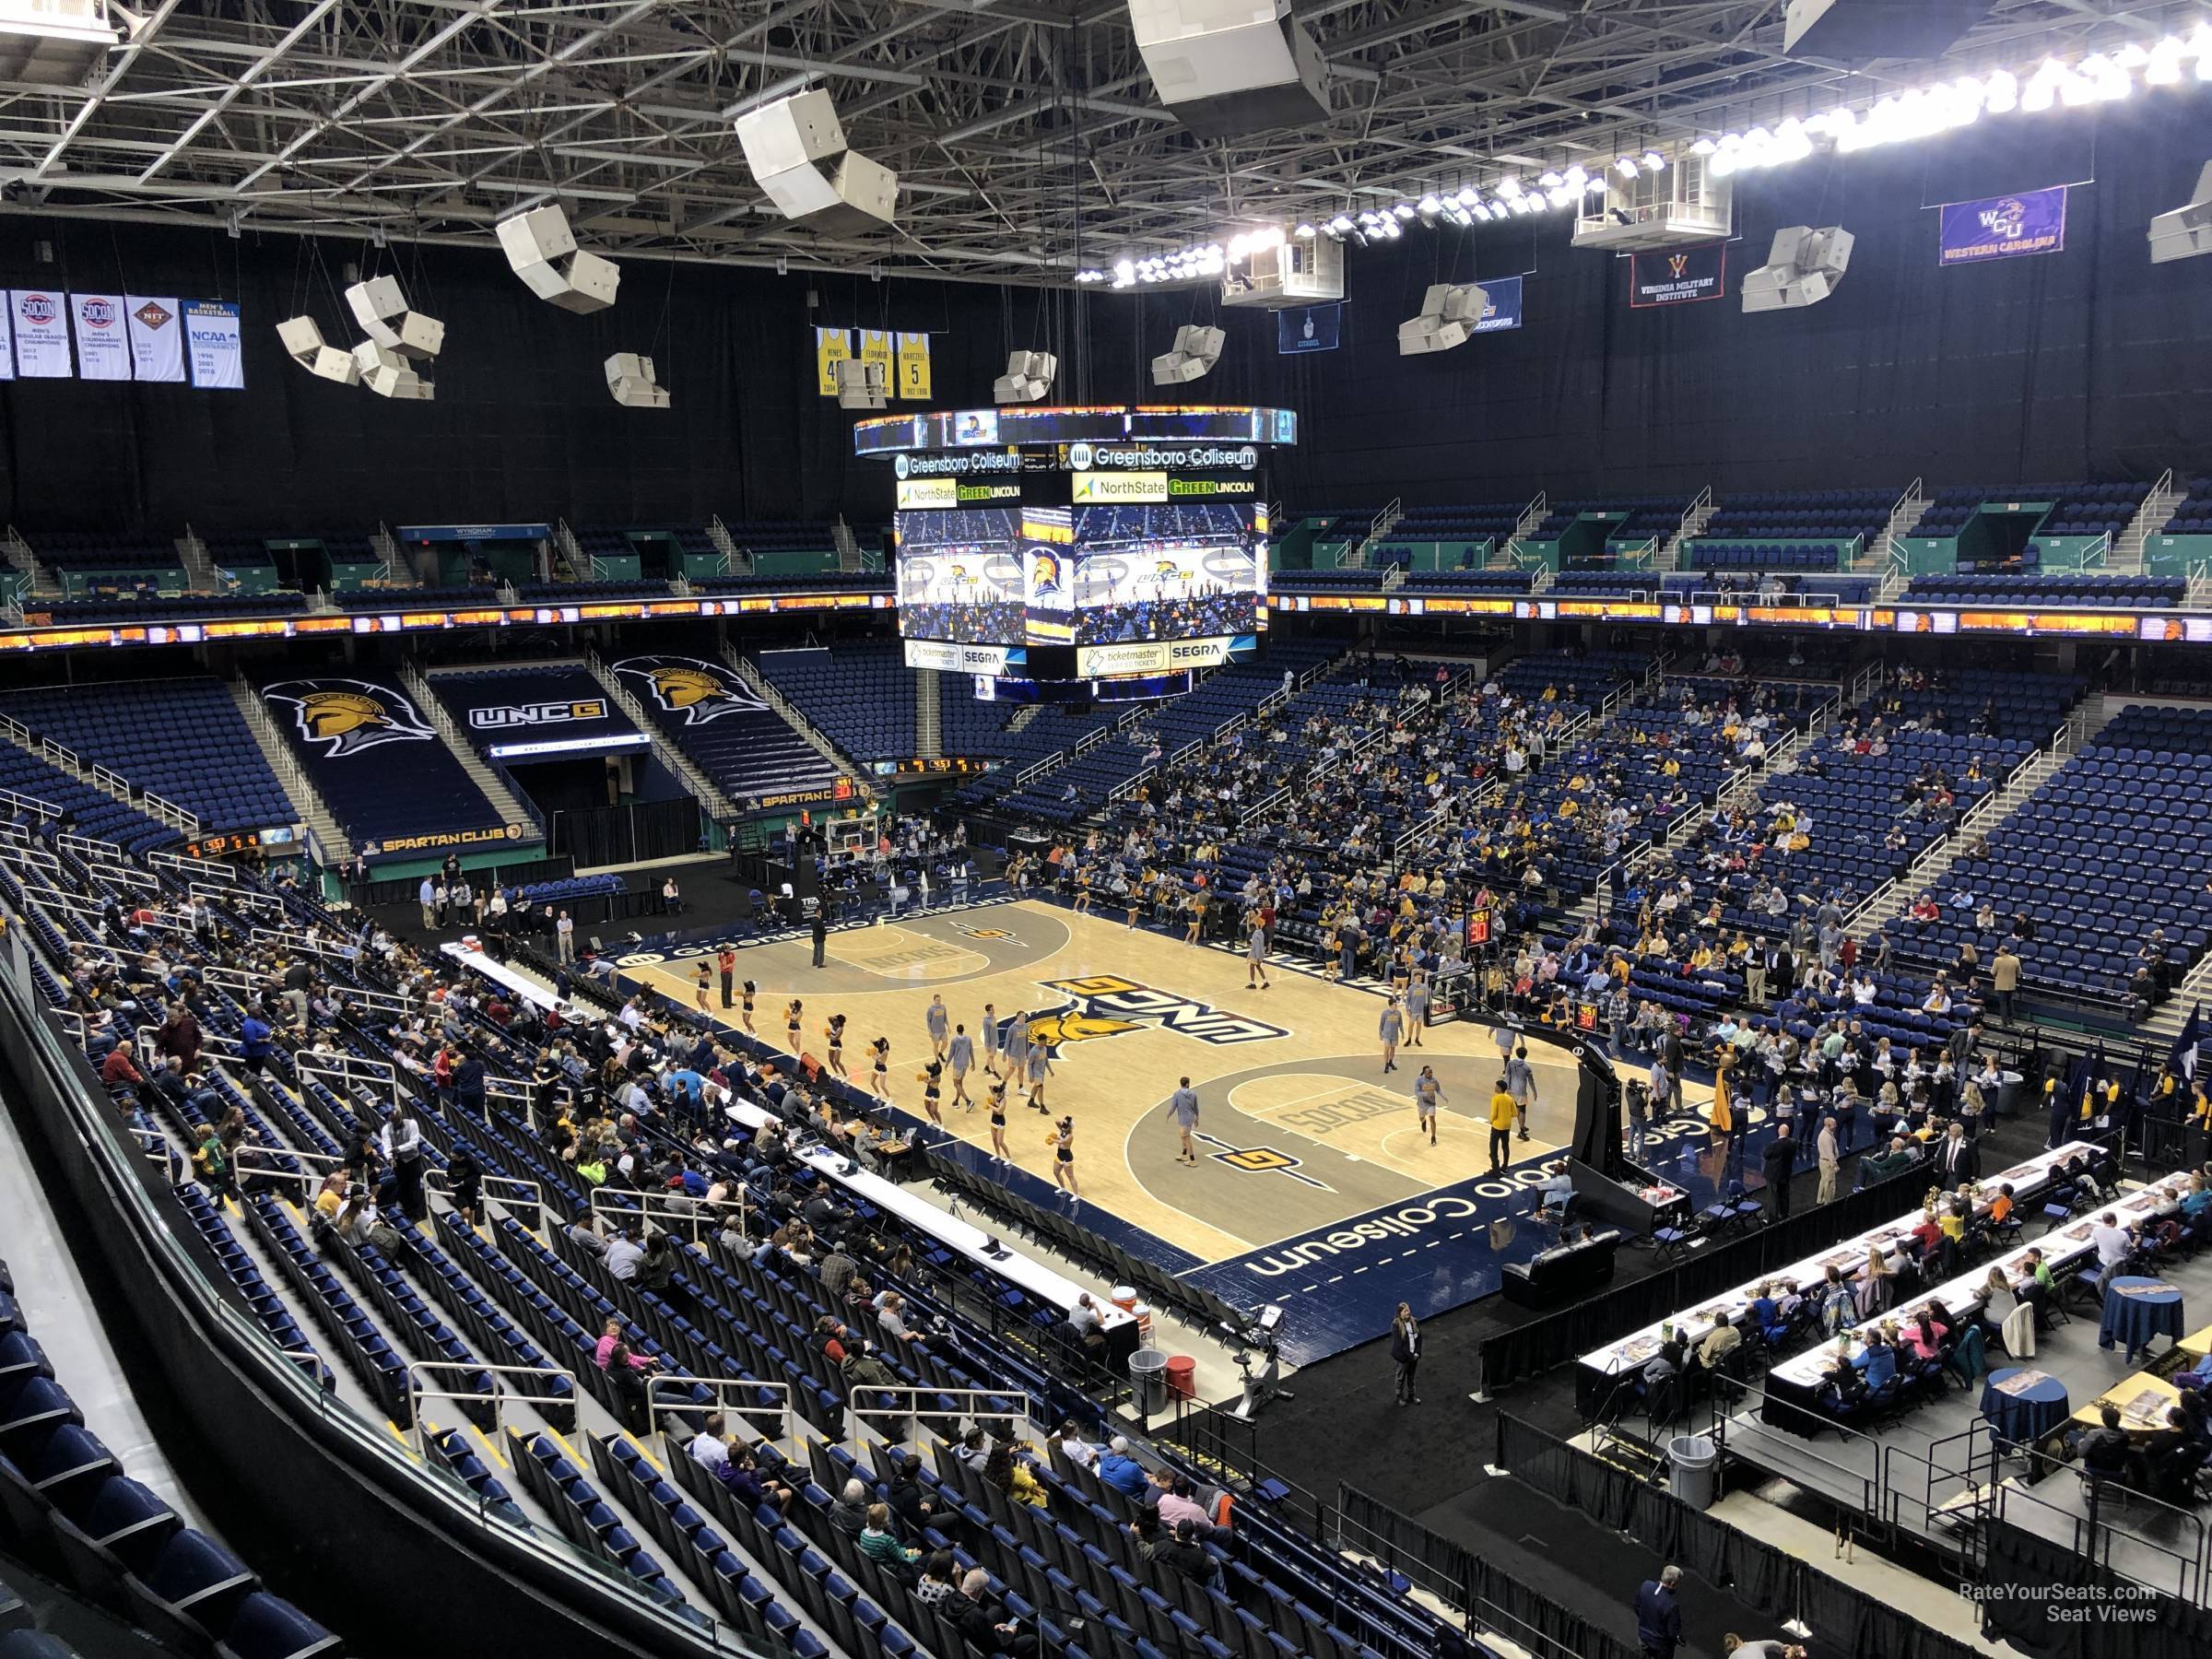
(1682, 276)
(156, 325)
(212, 336)
(103, 349)
(2000, 227)
(831, 347)
(914, 366)
(41, 323)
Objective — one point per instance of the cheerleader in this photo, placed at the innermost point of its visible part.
(1062, 1142)
(745, 1017)
(930, 1079)
(699, 989)
(834, 1035)
(999, 1122)
(879, 1083)
(793, 1016)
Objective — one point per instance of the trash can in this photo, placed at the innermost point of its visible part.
(1148, 1381)
(1695, 1463)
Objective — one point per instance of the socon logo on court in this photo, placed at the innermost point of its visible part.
(350, 715)
(1109, 997)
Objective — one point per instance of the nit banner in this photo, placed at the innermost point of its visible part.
(2002, 227)
(831, 347)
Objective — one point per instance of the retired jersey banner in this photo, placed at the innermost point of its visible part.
(157, 337)
(876, 348)
(831, 347)
(212, 335)
(914, 366)
(104, 348)
(2000, 227)
(42, 321)
(1682, 277)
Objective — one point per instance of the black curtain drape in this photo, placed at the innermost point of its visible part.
(598, 836)
(1846, 1622)
(2048, 1600)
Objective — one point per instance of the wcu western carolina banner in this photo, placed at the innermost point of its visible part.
(1686, 275)
(2000, 227)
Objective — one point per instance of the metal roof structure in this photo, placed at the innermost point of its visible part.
(1027, 135)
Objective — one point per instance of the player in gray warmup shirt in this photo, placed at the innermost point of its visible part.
(990, 1042)
(1427, 1092)
(1521, 1083)
(961, 1052)
(1417, 998)
(1390, 1029)
(1184, 1106)
(1040, 1066)
(938, 1021)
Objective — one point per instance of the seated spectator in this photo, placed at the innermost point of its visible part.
(1119, 1470)
(878, 1543)
(1183, 1553)
(849, 1509)
(2105, 1450)
(1011, 1476)
(742, 1475)
(984, 1621)
(710, 1447)
(938, 1573)
(1176, 1500)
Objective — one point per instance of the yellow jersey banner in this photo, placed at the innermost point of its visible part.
(876, 348)
(914, 366)
(831, 347)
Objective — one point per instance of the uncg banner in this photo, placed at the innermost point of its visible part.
(1308, 328)
(1679, 275)
(1500, 303)
(514, 716)
(2002, 227)
(831, 347)
(913, 367)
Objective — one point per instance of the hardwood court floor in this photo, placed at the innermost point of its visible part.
(1302, 1129)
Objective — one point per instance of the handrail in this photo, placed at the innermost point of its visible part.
(994, 1403)
(419, 1389)
(724, 1387)
(654, 1208)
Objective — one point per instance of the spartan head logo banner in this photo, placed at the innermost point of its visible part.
(349, 715)
(698, 691)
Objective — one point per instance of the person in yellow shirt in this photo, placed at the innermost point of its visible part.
(1502, 1115)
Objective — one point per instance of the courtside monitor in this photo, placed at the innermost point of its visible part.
(1054, 546)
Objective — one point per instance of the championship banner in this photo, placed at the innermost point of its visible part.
(103, 351)
(7, 342)
(1308, 328)
(218, 353)
(1687, 275)
(1500, 303)
(2001, 227)
(914, 366)
(831, 347)
(41, 325)
(157, 337)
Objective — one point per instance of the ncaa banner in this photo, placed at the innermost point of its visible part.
(103, 350)
(1308, 328)
(1500, 303)
(42, 324)
(914, 366)
(1684, 277)
(831, 347)
(157, 337)
(2002, 227)
(214, 338)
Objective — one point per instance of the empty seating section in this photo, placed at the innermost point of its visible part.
(66, 612)
(762, 536)
(1472, 581)
(2057, 588)
(760, 581)
(1643, 517)
(861, 697)
(573, 593)
(183, 739)
(748, 750)
(88, 550)
(1833, 515)
(382, 770)
(1354, 579)
(969, 726)
(2192, 513)
(1761, 556)
(85, 810)
(67, 1499)
(1491, 521)
(408, 598)
(2109, 853)
(2088, 508)
(1053, 732)
(2009, 705)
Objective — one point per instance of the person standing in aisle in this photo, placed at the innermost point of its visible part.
(1390, 1029)
(1405, 1352)
(821, 934)
(1502, 1127)
(1829, 1158)
(726, 960)
(1659, 1615)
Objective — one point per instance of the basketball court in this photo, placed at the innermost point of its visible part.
(1301, 1135)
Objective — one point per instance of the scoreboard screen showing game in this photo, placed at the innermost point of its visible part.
(1184, 571)
(960, 575)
